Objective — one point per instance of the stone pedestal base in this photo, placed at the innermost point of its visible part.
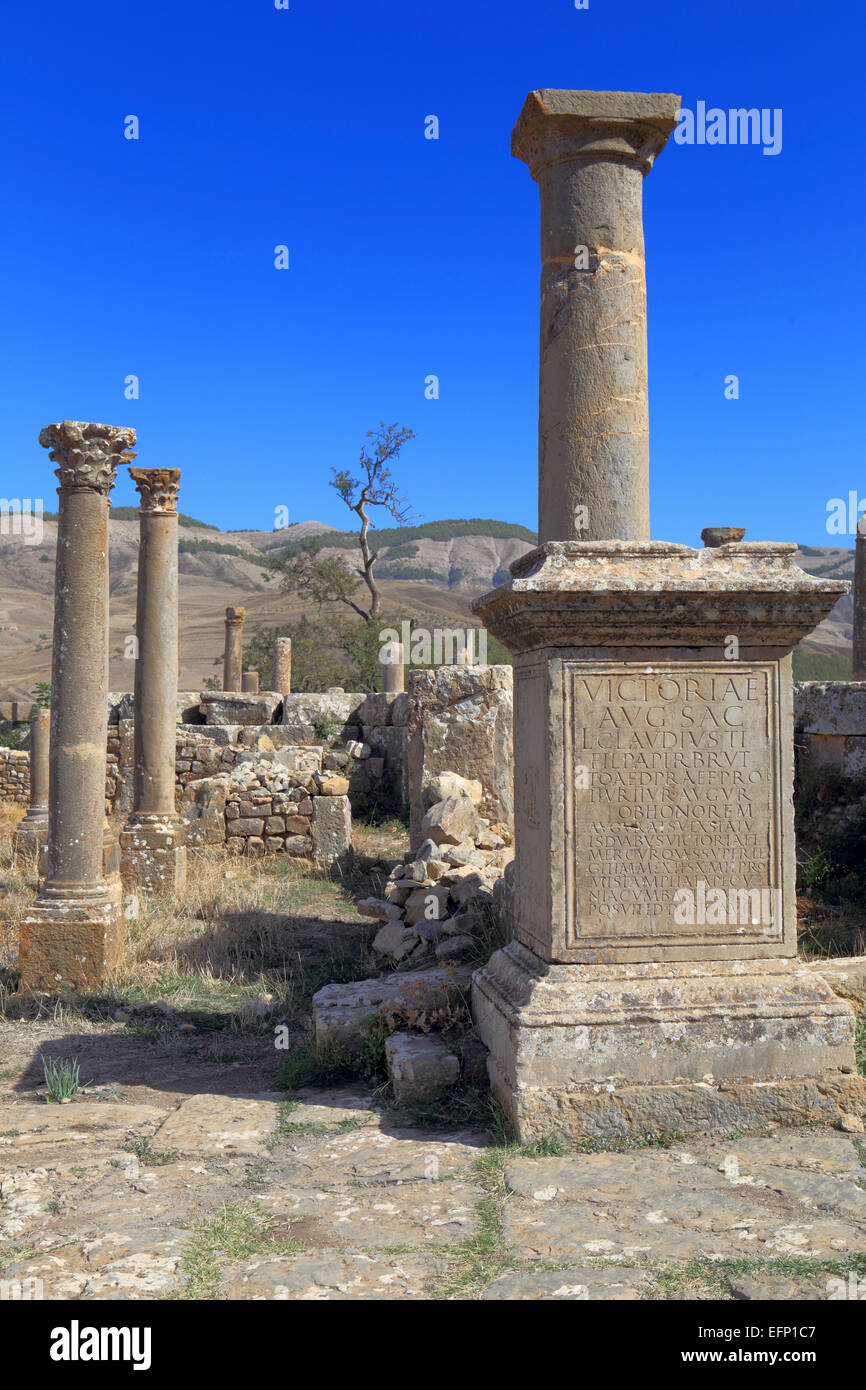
(110, 854)
(72, 940)
(153, 853)
(588, 1050)
(31, 835)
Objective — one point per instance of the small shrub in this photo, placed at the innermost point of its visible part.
(61, 1078)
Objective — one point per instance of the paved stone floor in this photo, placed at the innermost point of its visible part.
(203, 1184)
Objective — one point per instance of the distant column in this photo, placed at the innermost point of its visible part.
(251, 682)
(72, 937)
(32, 832)
(281, 677)
(393, 670)
(153, 841)
(233, 659)
(859, 595)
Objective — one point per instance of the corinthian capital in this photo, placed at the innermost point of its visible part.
(158, 489)
(88, 454)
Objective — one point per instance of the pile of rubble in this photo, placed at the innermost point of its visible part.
(435, 901)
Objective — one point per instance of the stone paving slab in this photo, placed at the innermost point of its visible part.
(581, 1284)
(717, 1201)
(381, 1156)
(334, 1107)
(332, 1275)
(29, 1126)
(421, 1213)
(209, 1124)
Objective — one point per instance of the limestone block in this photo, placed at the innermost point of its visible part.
(830, 707)
(445, 784)
(302, 712)
(460, 717)
(340, 1011)
(203, 807)
(396, 940)
(420, 1067)
(331, 829)
(846, 976)
(450, 821)
(222, 707)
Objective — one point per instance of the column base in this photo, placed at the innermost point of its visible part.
(686, 1047)
(31, 834)
(153, 853)
(71, 938)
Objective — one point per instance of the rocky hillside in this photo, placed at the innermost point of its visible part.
(430, 572)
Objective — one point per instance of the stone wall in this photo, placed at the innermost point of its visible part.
(460, 720)
(262, 806)
(830, 726)
(15, 776)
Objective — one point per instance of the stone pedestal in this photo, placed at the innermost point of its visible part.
(73, 935)
(653, 981)
(281, 679)
(153, 841)
(234, 649)
(251, 682)
(31, 834)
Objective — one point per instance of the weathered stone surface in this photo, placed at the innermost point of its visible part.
(222, 707)
(460, 717)
(589, 153)
(680, 1047)
(718, 1202)
(443, 785)
(303, 712)
(846, 976)
(396, 940)
(415, 1214)
(332, 829)
(333, 1277)
(576, 1283)
(451, 821)
(341, 1010)
(420, 1067)
(219, 1125)
(373, 1157)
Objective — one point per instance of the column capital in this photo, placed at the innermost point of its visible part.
(556, 127)
(88, 454)
(158, 489)
(235, 616)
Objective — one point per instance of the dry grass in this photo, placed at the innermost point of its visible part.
(249, 939)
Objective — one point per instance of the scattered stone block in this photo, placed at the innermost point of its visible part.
(420, 1066)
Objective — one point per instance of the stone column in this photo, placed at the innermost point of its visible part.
(652, 981)
(589, 152)
(859, 595)
(393, 670)
(251, 682)
(234, 650)
(281, 678)
(153, 841)
(32, 832)
(73, 935)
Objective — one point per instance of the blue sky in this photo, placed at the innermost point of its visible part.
(411, 257)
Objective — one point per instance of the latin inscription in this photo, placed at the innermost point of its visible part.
(674, 786)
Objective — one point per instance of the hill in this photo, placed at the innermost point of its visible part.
(430, 572)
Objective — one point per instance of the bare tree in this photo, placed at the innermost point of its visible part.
(330, 580)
